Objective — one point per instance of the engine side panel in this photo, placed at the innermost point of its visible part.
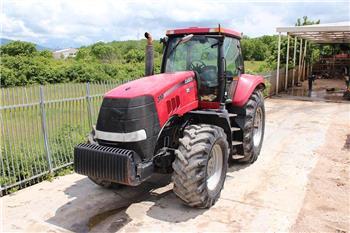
(178, 100)
(245, 87)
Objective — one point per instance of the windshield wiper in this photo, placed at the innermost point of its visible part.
(173, 49)
(182, 40)
(215, 44)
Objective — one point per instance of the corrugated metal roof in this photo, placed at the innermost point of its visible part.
(321, 33)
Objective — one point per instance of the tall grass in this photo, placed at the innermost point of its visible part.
(24, 157)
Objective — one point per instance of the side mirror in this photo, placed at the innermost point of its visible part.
(240, 69)
(229, 78)
(163, 40)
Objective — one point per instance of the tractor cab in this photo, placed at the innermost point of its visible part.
(214, 54)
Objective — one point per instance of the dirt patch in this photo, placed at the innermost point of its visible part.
(326, 206)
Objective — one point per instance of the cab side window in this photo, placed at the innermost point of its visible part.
(233, 56)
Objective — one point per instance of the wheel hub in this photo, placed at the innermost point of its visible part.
(258, 122)
(214, 167)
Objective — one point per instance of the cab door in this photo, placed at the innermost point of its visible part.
(234, 64)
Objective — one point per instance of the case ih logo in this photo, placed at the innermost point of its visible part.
(171, 90)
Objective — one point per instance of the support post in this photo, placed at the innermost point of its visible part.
(311, 64)
(304, 61)
(294, 59)
(287, 62)
(278, 62)
(300, 54)
(88, 100)
(44, 129)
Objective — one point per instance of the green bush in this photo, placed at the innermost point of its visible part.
(22, 65)
(18, 48)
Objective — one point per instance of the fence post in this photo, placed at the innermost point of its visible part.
(88, 100)
(44, 129)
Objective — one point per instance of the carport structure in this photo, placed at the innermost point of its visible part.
(331, 33)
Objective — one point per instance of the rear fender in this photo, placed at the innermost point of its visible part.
(246, 85)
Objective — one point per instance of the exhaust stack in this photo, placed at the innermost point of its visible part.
(149, 62)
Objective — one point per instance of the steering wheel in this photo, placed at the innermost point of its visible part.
(197, 65)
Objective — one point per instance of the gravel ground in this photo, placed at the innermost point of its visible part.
(299, 183)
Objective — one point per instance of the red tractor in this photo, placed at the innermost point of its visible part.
(190, 120)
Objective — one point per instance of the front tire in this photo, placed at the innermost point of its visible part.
(254, 127)
(200, 165)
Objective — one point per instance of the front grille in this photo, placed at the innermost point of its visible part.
(125, 115)
(106, 163)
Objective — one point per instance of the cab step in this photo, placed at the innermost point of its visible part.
(236, 143)
(235, 129)
(232, 115)
(237, 156)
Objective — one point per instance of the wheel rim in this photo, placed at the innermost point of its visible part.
(214, 167)
(258, 123)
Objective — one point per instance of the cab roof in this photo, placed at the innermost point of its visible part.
(202, 30)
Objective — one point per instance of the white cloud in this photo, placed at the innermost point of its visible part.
(63, 23)
(260, 22)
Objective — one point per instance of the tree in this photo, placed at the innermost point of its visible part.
(254, 49)
(134, 55)
(305, 21)
(18, 48)
(103, 51)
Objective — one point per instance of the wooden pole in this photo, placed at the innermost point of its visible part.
(278, 62)
(287, 62)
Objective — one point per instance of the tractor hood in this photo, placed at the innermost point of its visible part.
(154, 85)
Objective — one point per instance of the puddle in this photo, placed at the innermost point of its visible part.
(335, 87)
(152, 195)
(98, 218)
(119, 223)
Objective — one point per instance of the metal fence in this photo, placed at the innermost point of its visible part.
(40, 126)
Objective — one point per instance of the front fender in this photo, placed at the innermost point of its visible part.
(246, 85)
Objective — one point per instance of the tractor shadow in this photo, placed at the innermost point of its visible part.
(235, 166)
(94, 209)
(91, 208)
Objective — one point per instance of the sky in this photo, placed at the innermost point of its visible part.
(74, 23)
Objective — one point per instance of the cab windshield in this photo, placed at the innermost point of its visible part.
(199, 54)
(196, 54)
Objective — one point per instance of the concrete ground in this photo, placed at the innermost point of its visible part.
(300, 182)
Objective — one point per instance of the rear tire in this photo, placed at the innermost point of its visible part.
(200, 165)
(254, 127)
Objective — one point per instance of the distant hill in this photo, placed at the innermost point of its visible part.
(4, 41)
